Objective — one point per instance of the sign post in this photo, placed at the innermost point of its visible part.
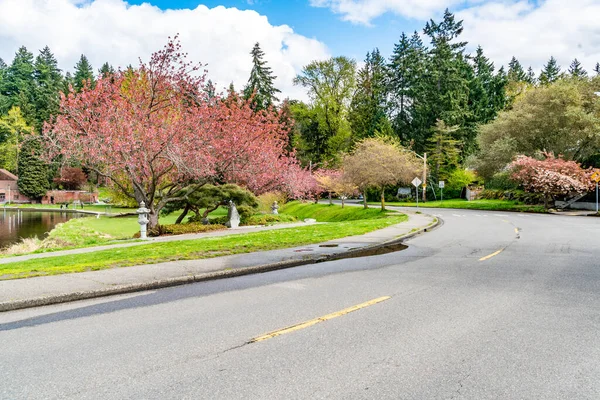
(441, 185)
(596, 178)
(416, 182)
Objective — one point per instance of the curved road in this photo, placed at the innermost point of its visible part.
(490, 305)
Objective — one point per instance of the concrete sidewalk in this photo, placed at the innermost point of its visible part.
(45, 290)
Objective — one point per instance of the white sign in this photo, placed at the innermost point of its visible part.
(441, 184)
(416, 182)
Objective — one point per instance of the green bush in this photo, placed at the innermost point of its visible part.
(180, 229)
(501, 181)
(514, 195)
(267, 219)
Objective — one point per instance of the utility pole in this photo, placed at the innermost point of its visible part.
(424, 177)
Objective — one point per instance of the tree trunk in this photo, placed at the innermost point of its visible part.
(343, 199)
(330, 200)
(153, 220)
(365, 199)
(183, 214)
(382, 198)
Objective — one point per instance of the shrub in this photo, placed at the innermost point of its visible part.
(267, 219)
(515, 195)
(501, 181)
(265, 200)
(180, 229)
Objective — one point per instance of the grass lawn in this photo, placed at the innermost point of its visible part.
(197, 249)
(489, 205)
(330, 213)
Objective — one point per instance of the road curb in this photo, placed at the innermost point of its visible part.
(209, 276)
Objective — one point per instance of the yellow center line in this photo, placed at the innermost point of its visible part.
(516, 230)
(491, 255)
(315, 321)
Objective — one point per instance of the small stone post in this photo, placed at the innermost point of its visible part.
(275, 208)
(143, 219)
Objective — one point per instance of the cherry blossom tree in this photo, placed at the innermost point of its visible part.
(157, 136)
(553, 176)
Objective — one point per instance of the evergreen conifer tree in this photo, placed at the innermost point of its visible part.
(260, 83)
(49, 83)
(106, 70)
(367, 114)
(531, 79)
(405, 77)
(83, 73)
(550, 73)
(516, 73)
(597, 69)
(18, 85)
(33, 173)
(576, 70)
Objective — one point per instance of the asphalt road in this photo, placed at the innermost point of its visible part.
(463, 321)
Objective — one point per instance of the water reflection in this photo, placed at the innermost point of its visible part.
(15, 225)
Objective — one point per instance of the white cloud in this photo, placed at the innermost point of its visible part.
(559, 28)
(364, 11)
(531, 30)
(114, 31)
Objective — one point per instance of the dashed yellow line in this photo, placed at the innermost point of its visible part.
(315, 321)
(491, 255)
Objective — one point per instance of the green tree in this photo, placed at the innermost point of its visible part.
(406, 70)
(447, 81)
(260, 83)
(307, 138)
(33, 172)
(18, 85)
(13, 128)
(330, 85)
(516, 73)
(597, 69)
(367, 114)
(560, 118)
(443, 150)
(550, 73)
(83, 73)
(49, 83)
(106, 70)
(487, 90)
(208, 198)
(531, 79)
(576, 70)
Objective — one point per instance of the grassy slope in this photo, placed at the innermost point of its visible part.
(329, 213)
(208, 247)
(490, 205)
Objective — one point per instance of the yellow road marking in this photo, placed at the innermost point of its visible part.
(315, 321)
(516, 230)
(491, 255)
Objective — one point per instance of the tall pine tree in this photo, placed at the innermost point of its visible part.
(83, 73)
(551, 72)
(576, 70)
(367, 114)
(18, 85)
(405, 76)
(597, 69)
(516, 73)
(49, 83)
(260, 83)
(447, 81)
(33, 173)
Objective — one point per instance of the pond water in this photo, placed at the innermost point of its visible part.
(15, 225)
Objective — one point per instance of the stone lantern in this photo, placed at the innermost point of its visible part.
(143, 219)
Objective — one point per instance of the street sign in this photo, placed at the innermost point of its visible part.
(596, 176)
(441, 184)
(416, 182)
